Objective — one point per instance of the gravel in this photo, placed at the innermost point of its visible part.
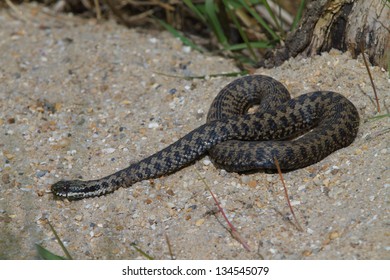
(81, 99)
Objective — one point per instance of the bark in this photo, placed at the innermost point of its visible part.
(341, 24)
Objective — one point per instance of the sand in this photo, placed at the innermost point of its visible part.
(81, 99)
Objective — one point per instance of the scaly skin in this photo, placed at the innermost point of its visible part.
(238, 141)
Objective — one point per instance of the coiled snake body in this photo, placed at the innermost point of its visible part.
(297, 132)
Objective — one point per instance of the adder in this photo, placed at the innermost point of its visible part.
(297, 132)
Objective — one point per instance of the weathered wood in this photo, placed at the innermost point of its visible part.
(340, 24)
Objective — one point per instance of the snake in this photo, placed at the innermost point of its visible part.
(291, 132)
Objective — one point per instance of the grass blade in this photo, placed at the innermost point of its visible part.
(259, 45)
(230, 74)
(194, 9)
(298, 16)
(146, 255)
(182, 38)
(259, 20)
(68, 256)
(271, 13)
(240, 30)
(46, 254)
(211, 11)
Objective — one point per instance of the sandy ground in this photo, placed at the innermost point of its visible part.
(81, 100)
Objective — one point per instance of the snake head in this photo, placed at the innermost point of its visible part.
(74, 189)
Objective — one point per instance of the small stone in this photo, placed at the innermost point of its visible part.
(223, 172)
(170, 192)
(153, 40)
(295, 202)
(307, 253)
(126, 102)
(41, 173)
(78, 218)
(335, 169)
(199, 222)
(206, 161)
(170, 205)
(252, 184)
(186, 49)
(108, 150)
(317, 181)
(153, 125)
(172, 91)
(5, 178)
(63, 142)
(358, 152)
(333, 235)
(326, 182)
(272, 251)
(9, 156)
(245, 179)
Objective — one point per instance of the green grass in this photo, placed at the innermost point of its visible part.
(222, 18)
(47, 255)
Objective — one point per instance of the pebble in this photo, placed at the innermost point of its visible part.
(108, 150)
(153, 125)
(206, 161)
(199, 222)
(172, 91)
(9, 156)
(252, 183)
(63, 142)
(186, 49)
(317, 181)
(170, 205)
(78, 218)
(5, 178)
(223, 172)
(307, 253)
(333, 235)
(295, 202)
(245, 179)
(41, 173)
(153, 40)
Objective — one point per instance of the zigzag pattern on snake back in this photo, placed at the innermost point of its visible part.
(297, 132)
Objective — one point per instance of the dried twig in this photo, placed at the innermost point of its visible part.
(286, 194)
(232, 229)
(369, 74)
(169, 246)
(18, 13)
